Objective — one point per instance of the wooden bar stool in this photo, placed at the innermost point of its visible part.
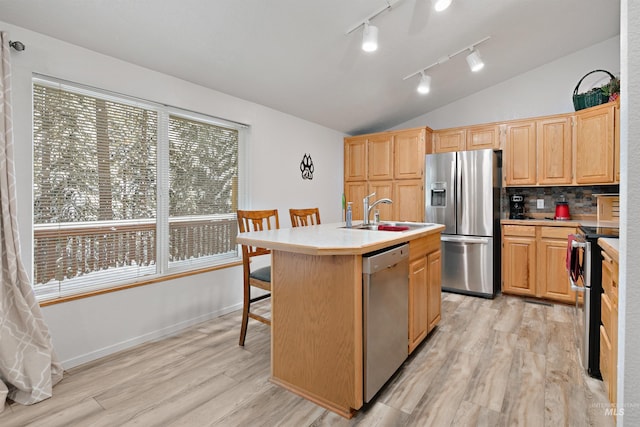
(303, 217)
(261, 277)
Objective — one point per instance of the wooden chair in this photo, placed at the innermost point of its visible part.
(260, 278)
(303, 217)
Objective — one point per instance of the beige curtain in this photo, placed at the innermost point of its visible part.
(28, 366)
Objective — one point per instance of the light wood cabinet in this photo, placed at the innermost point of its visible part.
(355, 159)
(389, 164)
(609, 324)
(482, 137)
(355, 192)
(520, 153)
(380, 157)
(434, 288)
(449, 140)
(518, 260)
(425, 273)
(553, 281)
(408, 158)
(554, 150)
(595, 145)
(408, 200)
(534, 262)
(382, 189)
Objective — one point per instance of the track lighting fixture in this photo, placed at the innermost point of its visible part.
(369, 38)
(425, 83)
(370, 32)
(17, 45)
(473, 59)
(441, 5)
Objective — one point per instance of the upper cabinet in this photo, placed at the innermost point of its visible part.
(520, 153)
(554, 154)
(391, 164)
(355, 159)
(468, 138)
(408, 158)
(595, 145)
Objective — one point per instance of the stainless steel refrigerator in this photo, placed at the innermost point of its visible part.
(463, 193)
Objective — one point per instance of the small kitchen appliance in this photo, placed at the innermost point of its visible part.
(562, 210)
(516, 206)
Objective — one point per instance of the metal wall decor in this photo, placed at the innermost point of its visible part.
(306, 167)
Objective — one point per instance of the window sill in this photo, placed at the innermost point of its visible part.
(136, 284)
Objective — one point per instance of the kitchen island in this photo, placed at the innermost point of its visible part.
(316, 304)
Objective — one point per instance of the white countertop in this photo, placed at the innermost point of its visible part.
(331, 239)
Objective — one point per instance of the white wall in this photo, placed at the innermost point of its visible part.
(629, 291)
(88, 328)
(542, 91)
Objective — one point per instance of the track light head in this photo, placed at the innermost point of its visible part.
(441, 5)
(424, 86)
(369, 38)
(19, 46)
(474, 60)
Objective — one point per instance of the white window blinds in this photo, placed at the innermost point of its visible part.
(99, 168)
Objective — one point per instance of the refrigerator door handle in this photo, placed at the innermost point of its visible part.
(465, 239)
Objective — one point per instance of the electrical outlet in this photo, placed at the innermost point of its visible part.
(540, 204)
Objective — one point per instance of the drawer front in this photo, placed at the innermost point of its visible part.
(556, 232)
(419, 248)
(605, 315)
(607, 276)
(519, 230)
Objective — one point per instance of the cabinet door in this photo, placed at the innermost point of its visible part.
(382, 189)
(481, 137)
(380, 152)
(409, 147)
(554, 151)
(418, 297)
(520, 152)
(519, 265)
(594, 145)
(553, 281)
(408, 200)
(434, 289)
(449, 140)
(355, 192)
(355, 159)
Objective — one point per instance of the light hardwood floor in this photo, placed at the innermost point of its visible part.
(501, 362)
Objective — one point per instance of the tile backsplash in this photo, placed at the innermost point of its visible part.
(581, 200)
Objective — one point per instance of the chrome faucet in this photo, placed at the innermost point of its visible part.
(366, 209)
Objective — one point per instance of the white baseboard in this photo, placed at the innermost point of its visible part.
(150, 336)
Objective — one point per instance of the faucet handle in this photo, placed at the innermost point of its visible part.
(370, 195)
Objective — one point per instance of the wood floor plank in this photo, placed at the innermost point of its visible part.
(500, 362)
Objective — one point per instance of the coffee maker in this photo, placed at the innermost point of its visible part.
(516, 206)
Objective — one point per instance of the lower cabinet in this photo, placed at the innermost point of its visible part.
(609, 324)
(534, 262)
(425, 273)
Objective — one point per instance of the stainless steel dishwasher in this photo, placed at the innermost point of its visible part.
(385, 296)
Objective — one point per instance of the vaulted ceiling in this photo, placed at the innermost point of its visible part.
(295, 56)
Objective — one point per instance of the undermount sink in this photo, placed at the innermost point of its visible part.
(392, 225)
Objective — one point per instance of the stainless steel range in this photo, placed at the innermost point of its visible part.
(585, 273)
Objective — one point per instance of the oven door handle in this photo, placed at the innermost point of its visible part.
(575, 287)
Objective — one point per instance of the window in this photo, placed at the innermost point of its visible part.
(125, 189)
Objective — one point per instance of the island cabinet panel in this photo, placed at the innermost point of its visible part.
(595, 145)
(425, 284)
(316, 329)
(555, 151)
(355, 159)
(380, 154)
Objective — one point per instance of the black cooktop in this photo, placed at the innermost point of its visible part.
(613, 232)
